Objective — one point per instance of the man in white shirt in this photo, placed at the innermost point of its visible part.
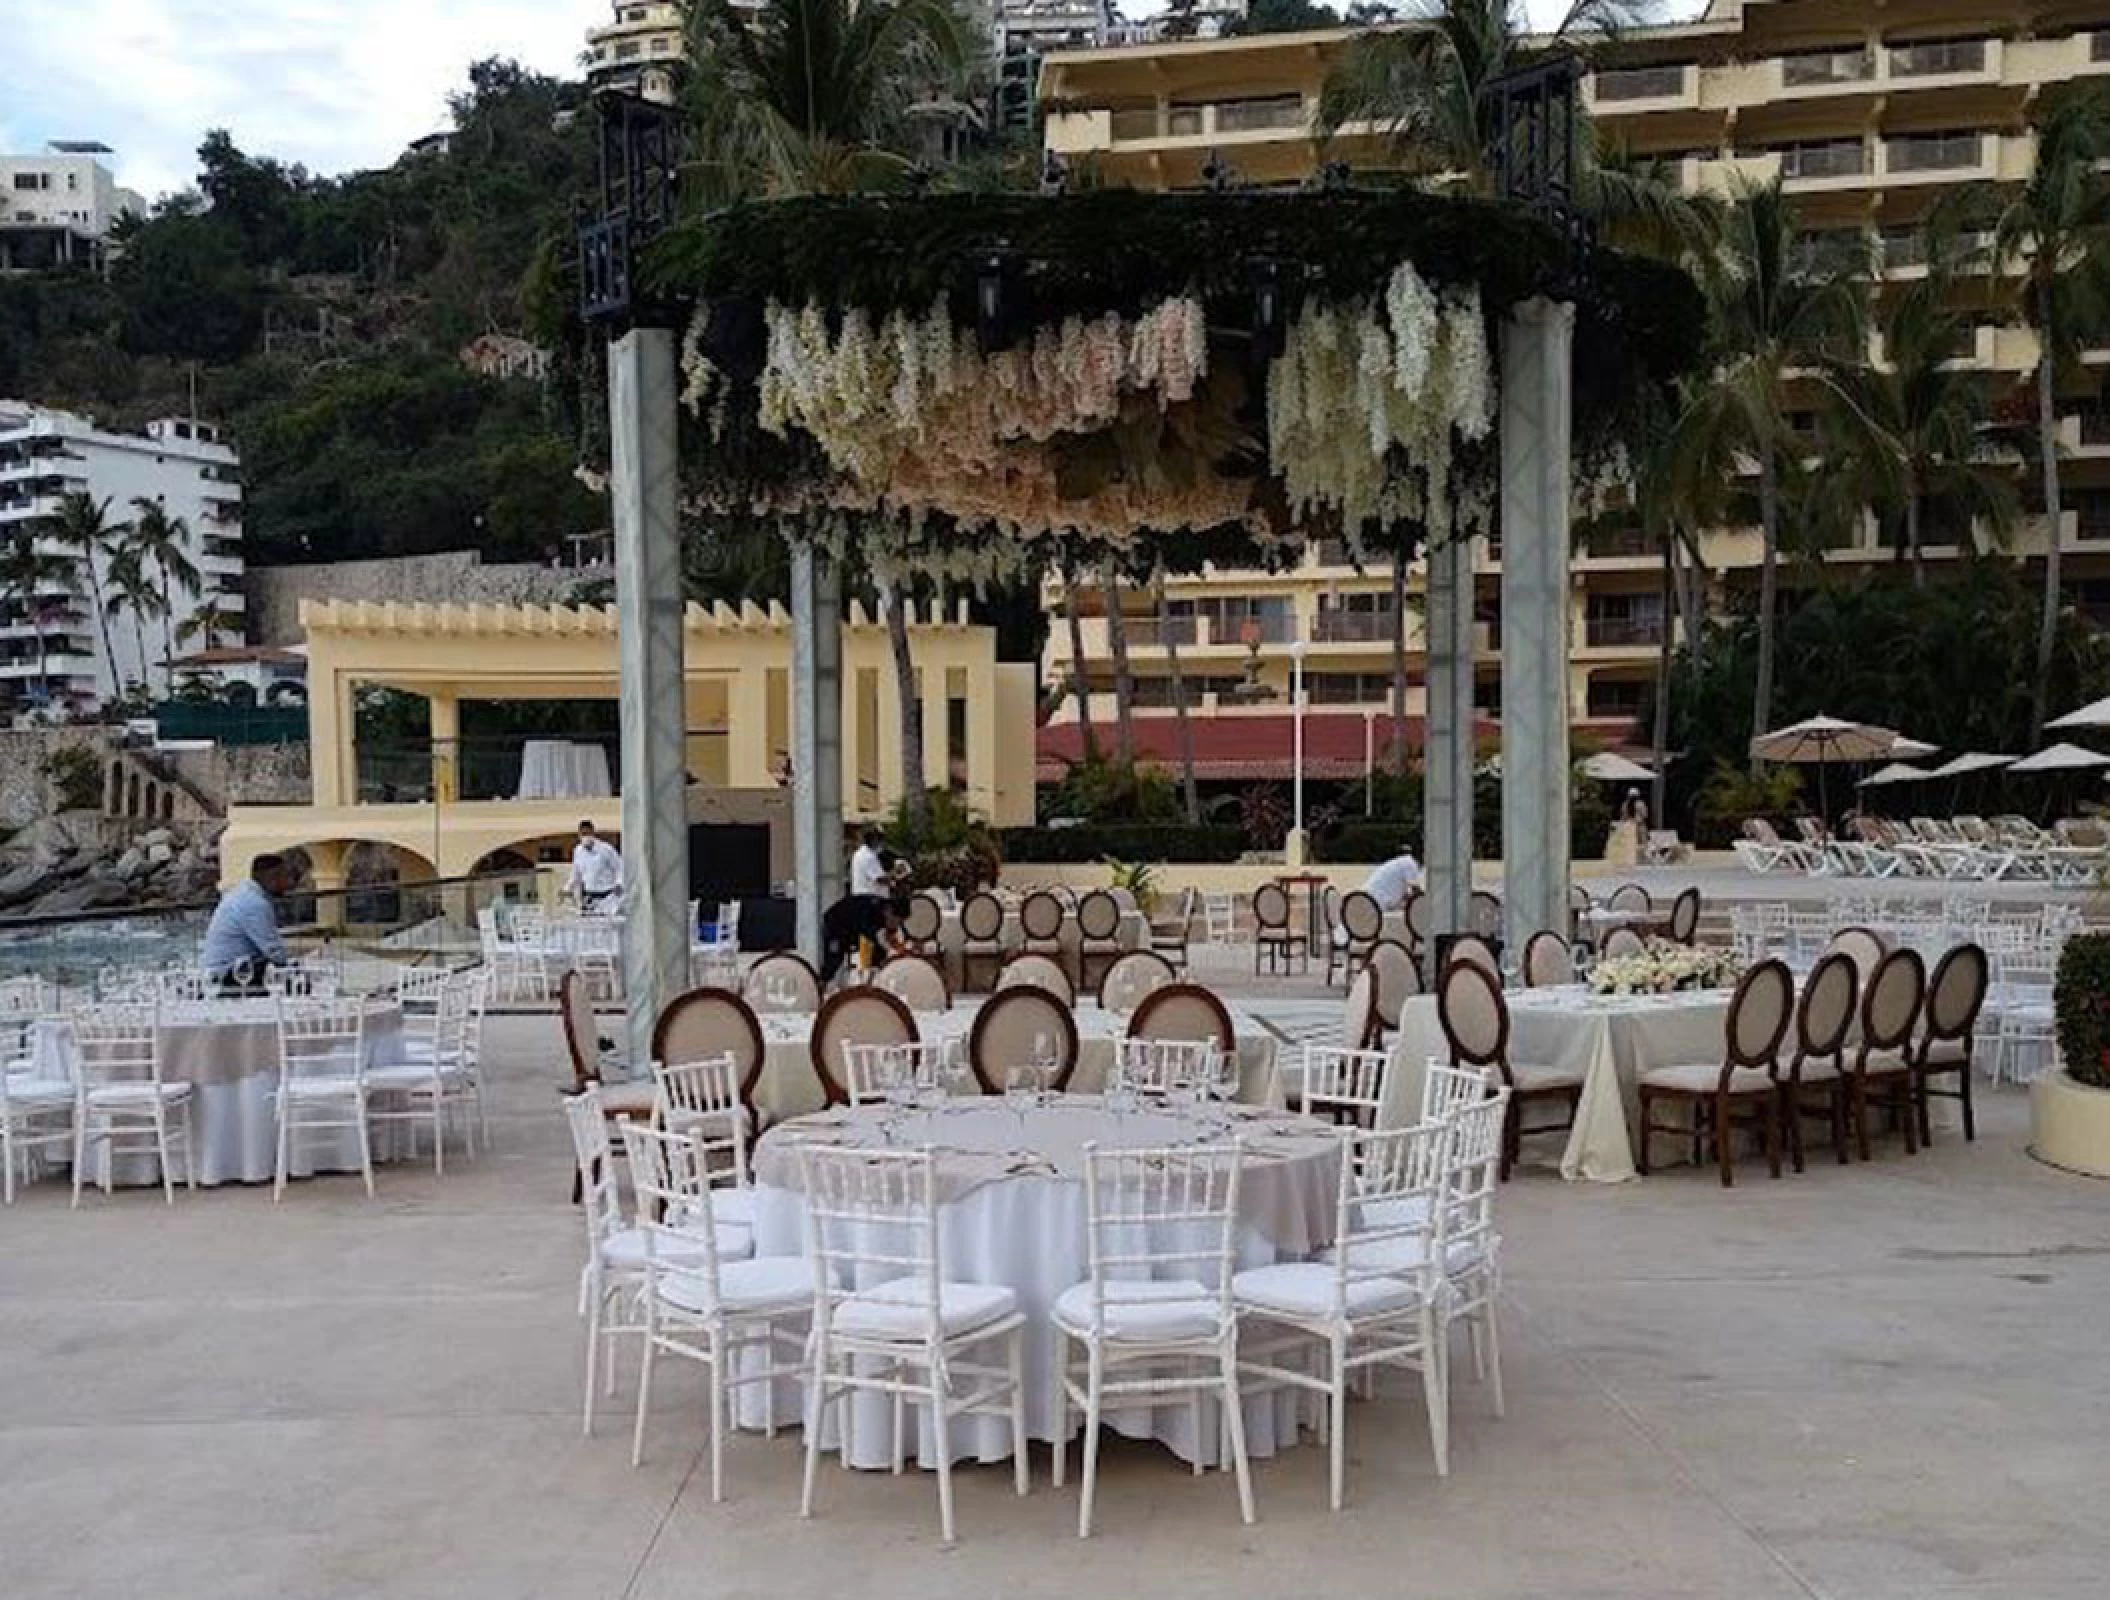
(596, 874)
(868, 867)
(1390, 884)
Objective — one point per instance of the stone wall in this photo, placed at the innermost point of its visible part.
(264, 774)
(274, 594)
(26, 791)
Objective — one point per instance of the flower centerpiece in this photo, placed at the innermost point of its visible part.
(1664, 967)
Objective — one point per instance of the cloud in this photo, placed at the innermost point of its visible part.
(334, 84)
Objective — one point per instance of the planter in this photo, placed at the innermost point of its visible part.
(2069, 1125)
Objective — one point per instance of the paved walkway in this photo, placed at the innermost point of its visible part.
(1872, 1382)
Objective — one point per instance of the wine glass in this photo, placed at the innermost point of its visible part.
(1043, 1064)
(1022, 1088)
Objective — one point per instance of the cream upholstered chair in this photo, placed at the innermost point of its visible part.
(1360, 1027)
(1685, 916)
(1031, 969)
(1865, 947)
(1471, 947)
(1272, 935)
(1882, 1067)
(1631, 897)
(1817, 1068)
(1040, 918)
(1131, 976)
(1416, 918)
(1548, 963)
(1398, 978)
(886, 1320)
(1162, 1226)
(1098, 936)
(1475, 1020)
(706, 1023)
(1955, 996)
(860, 1015)
(924, 922)
(1484, 912)
(1185, 1011)
(783, 982)
(1745, 1081)
(1621, 941)
(917, 981)
(699, 1303)
(1356, 931)
(981, 934)
(1376, 1301)
(1022, 1027)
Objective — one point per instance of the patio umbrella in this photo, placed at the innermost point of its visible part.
(2096, 715)
(1896, 772)
(1609, 767)
(1823, 740)
(1971, 761)
(2061, 758)
(1904, 749)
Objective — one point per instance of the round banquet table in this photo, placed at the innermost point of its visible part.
(788, 1088)
(227, 1050)
(1011, 1210)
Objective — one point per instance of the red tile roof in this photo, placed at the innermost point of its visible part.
(1250, 747)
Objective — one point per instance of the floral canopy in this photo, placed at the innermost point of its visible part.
(955, 380)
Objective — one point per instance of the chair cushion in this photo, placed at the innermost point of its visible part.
(1703, 1077)
(633, 1100)
(138, 1094)
(1820, 1069)
(1407, 1253)
(1885, 1063)
(1143, 1312)
(1402, 1211)
(1308, 1289)
(333, 1086)
(413, 1076)
(733, 1205)
(897, 1310)
(1948, 1052)
(763, 1283)
(1530, 1075)
(625, 1248)
(36, 1093)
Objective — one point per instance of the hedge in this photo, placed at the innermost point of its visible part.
(2081, 996)
(1123, 842)
(1381, 841)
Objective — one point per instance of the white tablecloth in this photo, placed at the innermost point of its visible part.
(558, 769)
(228, 1052)
(788, 1087)
(1029, 1234)
(1613, 1040)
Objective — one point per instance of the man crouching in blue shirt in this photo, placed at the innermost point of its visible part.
(242, 941)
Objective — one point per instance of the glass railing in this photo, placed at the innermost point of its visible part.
(363, 933)
(1640, 83)
(1830, 66)
(1353, 627)
(1247, 116)
(1622, 632)
(1931, 60)
(1844, 159)
(1934, 153)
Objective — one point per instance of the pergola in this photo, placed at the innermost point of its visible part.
(963, 385)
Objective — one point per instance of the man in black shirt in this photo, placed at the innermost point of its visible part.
(855, 917)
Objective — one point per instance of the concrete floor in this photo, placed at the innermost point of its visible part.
(1873, 1382)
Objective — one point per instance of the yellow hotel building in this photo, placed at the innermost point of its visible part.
(1869, 111)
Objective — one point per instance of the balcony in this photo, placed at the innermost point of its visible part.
(1623, 633)
(1838, 158)
(1918, 65)
(1267, 117)
(1154, 633)
(1630, 87)
(1933, 152)
(1827, 69)
(1621, 544)
(1945, 58)
(1356, 627)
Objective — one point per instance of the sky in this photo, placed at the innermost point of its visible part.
(336, 85)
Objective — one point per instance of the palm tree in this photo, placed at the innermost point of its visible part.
(915, 786)
(1124, 680)
(1773, 323)
(1079, 687)
(83, 526)
(2056, 229)
(132, 589)
(1911, 433)
(207, 623)
(27, 575)
(164, 541)
(1168, 631)
(814, 96)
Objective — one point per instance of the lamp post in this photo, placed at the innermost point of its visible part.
(1296, 705)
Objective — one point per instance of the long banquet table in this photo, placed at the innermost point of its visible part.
(1012, 1211)
(227, 1050)
(1613, 1038)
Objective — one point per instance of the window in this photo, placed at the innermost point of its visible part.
(1833, 158)
(1938, 56)
(1934, 152)
(1641, 83)
(32, 182)
(626, 50)
(1618, 697)
(1228, 616)
(1349, 688)
(1826, 66)
(2091, 511)
(1240, 116)
(1183, 121)
(1617, 620)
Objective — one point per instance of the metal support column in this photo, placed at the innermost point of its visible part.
(817, 732)
(645, 505)
(1448, 758)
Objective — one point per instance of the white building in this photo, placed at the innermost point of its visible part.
(57, 209)
(641, 52)
(183, 465)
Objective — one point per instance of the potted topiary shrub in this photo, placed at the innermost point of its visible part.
(2069, 1109)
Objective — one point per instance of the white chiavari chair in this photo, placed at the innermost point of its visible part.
(1342, 1085)
(1377, 1298)
(1171, 1067)
(886, 1320)
(124, 1106)
(894, 1074)
(434, 1077)
(701, 1100)
(37, 1104)
(321, 1080)
(1162, 1230)
(707, 1309)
